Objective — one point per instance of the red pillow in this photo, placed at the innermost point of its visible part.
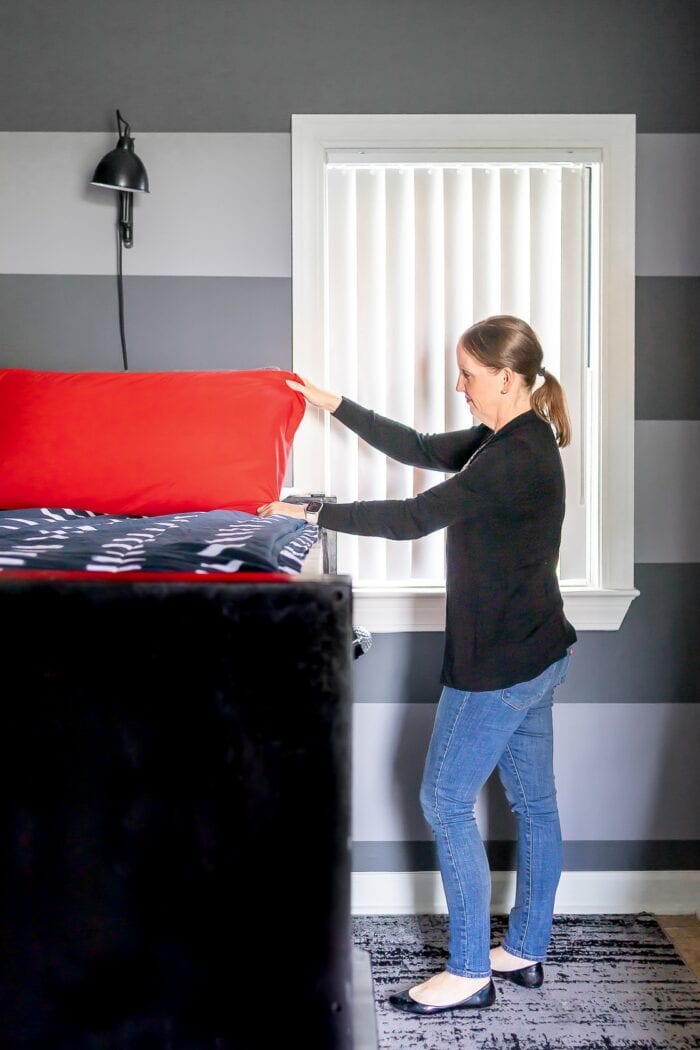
(145, 442)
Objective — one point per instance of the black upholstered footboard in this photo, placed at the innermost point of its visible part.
(175, 798)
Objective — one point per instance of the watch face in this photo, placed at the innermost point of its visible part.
(314, 506)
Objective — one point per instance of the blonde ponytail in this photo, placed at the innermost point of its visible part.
(549, 402)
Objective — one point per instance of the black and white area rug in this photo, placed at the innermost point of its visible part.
(612, 982)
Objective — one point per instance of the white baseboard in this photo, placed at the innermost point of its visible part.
(579, 892)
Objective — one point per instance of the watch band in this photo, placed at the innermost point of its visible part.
(312, 510)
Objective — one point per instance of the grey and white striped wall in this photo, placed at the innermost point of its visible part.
(209, 89)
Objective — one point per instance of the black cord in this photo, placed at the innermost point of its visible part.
(120, 295)
(127, 126)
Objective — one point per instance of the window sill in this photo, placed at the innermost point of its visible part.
(397, 609)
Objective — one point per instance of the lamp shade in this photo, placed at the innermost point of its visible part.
(121, 169)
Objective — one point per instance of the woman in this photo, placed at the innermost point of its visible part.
(507, 641)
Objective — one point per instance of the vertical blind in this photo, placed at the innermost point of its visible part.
(415, 254)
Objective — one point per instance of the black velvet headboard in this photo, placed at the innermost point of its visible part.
(175, 856)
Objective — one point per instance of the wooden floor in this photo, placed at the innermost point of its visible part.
(684, 932)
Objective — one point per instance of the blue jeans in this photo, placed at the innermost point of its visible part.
(473, 733)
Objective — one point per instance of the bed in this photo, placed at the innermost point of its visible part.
(176, 769)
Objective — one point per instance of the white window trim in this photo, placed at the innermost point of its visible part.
(415, 608)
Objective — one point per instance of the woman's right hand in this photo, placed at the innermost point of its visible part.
(315, 396)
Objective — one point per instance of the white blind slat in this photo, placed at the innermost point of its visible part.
(429, 401)
(545, 262)
(459, 281)
(399, 359)
(341, 326)
(515, 242)
(486, 246)
(371, 348)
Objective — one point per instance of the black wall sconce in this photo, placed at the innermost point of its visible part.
(122, 170)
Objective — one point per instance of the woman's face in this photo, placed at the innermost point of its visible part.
(480, 385)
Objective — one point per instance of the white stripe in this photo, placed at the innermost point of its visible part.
(112, 568)
(236, 223)
(667, 494)
(578, 893)
(391, 739)
(668, 205)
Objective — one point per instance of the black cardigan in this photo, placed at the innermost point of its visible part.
(503, 512)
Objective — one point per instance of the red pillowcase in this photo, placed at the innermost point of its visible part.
(145, 442)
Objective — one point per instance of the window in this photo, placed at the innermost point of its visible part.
(405, 231)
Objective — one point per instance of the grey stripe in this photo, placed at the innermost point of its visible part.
(665, 855)
(653, 658)
(667, 335)
(71, 323)
(212, 66)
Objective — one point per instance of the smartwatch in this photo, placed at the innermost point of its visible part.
(312, 511)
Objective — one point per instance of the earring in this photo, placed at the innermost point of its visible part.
(504, 391)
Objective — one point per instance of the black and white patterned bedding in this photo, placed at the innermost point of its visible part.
(198, 541)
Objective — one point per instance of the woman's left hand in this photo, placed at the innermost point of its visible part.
(292, 510)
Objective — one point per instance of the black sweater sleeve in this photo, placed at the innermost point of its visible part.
(446, 452)
(405, 519)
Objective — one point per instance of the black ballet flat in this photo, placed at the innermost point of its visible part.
(486, 996)
(526, 976)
